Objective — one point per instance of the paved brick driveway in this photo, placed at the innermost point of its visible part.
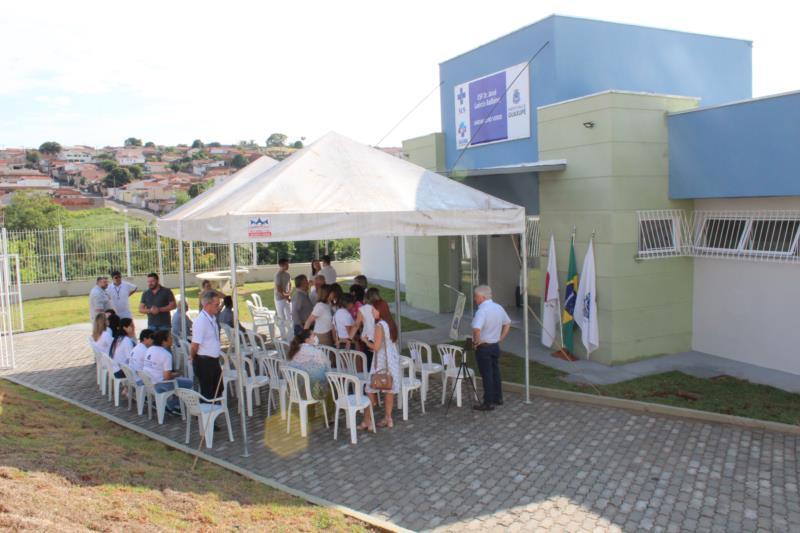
(547, 466)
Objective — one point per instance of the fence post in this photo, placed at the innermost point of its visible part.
(255, 255)
(191, 256)
(61, 256)
(128, 249)
(160, 256)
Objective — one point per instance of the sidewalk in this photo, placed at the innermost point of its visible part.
(696, 364)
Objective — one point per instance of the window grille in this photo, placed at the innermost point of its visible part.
(532, 234)
(772, 235)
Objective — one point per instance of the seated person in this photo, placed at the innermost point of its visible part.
(342, 321)
(361, 279)
(304, 355)
(101, 334)
(158, 365)
(176, 321)
(122, 345)
(225, 316)
(140, 350)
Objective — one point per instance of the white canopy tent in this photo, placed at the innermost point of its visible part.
(337, 188)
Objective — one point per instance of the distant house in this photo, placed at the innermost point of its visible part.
(201, 166)
(78, 154)
(127, 157)
(33, 181)
(156, 167)
(74, 199)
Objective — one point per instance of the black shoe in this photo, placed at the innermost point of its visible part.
(483, 407)
(498, 402)
(170, 410)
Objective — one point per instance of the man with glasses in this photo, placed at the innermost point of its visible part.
(120, 292)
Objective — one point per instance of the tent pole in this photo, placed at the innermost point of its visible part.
(524, 247)
(238, 355)
(397, 290)
(182, 286)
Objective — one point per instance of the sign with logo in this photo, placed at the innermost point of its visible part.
(458, 314)
(259, 227)
(494, 108)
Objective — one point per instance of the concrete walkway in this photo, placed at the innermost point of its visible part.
(696, 364)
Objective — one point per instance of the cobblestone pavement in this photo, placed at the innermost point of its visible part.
(551, 465)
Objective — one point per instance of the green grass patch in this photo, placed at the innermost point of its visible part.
(66, 466)
(725, 394)
(103, 217)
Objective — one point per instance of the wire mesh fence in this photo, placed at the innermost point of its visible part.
(759, 235)
(66, 254)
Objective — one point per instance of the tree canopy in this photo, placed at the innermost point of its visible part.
(149, 144)
(133, 141)
(107, 164)
(276, 139)
(33, 211)
(32, 156)
(297, 144)
(239, 161)
(50, 148)
(197, 143)
(118, 177)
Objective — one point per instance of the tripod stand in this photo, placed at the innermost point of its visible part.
(462, 374)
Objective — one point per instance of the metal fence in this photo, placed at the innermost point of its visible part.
(65, 254)
(762, 235)
(9, 308)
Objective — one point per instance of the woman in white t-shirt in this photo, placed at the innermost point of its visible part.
(140, 350)
(122, 345)
(158, 365)
(322, 318)
(342, 321)
(101, 335)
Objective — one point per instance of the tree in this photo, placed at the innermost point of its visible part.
(197, 143)
(239, 161)
(133, 141)
(276, 139)
(107, 164)
(149, 144)
(50, 148)
(32, 156)
(297, 144)
(181, 198)
(118, 177)
(175, 166)
(195, 189)
(33, 211)
(214, 144)
(136, 171)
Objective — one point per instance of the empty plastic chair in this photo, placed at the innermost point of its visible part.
(409, 383)
(422, 355)
(452, 356)
(206, 410)
(341, 384)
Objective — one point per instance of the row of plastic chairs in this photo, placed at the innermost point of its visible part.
(450, 358)
(142, 388)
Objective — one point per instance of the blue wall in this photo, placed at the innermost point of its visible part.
(745, 149)
(585, 57)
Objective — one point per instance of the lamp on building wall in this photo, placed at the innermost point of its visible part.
(588, 124)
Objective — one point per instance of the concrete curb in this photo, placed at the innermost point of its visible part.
(321, 502)
(654, 408)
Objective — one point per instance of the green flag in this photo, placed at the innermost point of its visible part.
(571, 290)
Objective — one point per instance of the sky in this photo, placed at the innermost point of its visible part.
(96, 73)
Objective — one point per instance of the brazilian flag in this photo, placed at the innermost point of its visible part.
(567, 320)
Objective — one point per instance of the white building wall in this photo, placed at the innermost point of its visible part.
(747, 310)
(377, 259)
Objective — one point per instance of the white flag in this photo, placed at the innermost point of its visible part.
(550, 317)
(586, 303)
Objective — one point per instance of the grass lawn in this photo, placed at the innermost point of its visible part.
(63, 468)
(44, 313)
(103, 217)
(724, 394)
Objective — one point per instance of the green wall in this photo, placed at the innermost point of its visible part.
(427, 258)
(614, 168)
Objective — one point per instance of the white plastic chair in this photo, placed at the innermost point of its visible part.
(102, 378)
(282, 347)
(229, 374)
(256, 299)
(180, 359)
(422, 355)
(449, 355)
(134, 389)
(408, 384)
(206, 414)
(157, 398)
(347, 362)
(271, 367)
(114, 383)
(252, 384)
(259, 346)
(331, 352)
(299, 385)
(341, 384)
(285, 329)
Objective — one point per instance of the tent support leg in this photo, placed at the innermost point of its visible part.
(238, 355)
(182, 288)
(397, 291)
(524, 250)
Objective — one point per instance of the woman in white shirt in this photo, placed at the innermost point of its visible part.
(342, 321)
(322, 318)
(140, 350)
(122, 345)
(101, 335)
(158, 365)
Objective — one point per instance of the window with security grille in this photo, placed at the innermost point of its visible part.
(722, 233)
(772, 236)
(657, 235)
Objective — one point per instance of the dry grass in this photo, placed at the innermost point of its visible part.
(62, 469)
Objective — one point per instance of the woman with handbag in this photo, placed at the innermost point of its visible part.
(385, 374)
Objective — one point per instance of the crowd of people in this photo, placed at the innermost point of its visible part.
(319, 311)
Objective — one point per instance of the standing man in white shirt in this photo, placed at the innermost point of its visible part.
(99, 299)
(283, 290)
(327, 270)
(205, 349)
(120, 292)
(490, 326)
